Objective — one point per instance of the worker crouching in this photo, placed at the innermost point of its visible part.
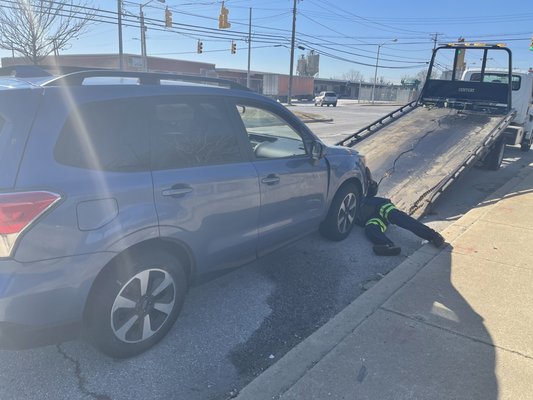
(376, 213)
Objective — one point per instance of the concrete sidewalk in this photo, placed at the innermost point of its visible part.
(455, 323)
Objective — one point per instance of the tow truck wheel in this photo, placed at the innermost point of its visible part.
(342, 213)
(526, 145)
(494, 159)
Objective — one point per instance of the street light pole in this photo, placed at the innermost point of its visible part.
(376, 70)
(120, 48)
(143, 33)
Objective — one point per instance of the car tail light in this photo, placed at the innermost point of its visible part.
(18, 211)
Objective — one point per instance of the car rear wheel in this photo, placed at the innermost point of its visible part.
(342, 213)
(135, 302)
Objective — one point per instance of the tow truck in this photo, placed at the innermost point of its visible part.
(418, 150)
(520, 130)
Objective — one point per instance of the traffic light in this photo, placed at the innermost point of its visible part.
(223, 18)
(199, 47)
(233, 47)
(168, 18)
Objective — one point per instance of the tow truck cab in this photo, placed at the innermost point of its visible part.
(520, 130)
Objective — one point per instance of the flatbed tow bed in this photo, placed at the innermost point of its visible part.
(417, 151)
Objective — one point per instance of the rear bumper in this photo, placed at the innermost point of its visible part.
(43, 302)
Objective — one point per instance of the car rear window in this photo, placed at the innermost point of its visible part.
(329, 94)
(109, 136)
(193, 132)
(138, 134)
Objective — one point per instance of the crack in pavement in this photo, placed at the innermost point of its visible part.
(81, 380)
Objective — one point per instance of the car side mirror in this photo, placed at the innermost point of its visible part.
(317, 151)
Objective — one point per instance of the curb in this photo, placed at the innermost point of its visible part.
(282, 375)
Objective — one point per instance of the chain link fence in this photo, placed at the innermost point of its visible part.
(387, 94)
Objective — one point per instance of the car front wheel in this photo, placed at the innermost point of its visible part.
(342, 213)
(135, 302)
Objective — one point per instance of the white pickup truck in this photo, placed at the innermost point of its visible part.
(520, 130)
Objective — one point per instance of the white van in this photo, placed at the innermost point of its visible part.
(520, 130)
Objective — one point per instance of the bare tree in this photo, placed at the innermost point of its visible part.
(352, 76)
(38, 28)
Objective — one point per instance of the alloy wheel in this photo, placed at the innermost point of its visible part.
(346, 214)
(143, 305)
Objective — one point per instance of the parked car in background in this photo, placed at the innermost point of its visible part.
(326, 98)
(119, 189)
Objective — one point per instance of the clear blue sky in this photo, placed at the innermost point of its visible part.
(346, 33)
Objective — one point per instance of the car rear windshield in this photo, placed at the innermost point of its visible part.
(330, 94)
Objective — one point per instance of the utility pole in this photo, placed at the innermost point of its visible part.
(143, 37)
(289, 94)
(120, 48)
(435, 38)
(249, 48)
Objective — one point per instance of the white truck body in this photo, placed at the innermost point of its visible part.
(520, 130)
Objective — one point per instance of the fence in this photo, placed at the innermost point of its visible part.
(387, 94)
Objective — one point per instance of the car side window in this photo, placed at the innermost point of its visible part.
(193, 132)
(108, 135)
(270, 136)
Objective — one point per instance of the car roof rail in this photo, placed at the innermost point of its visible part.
(145, 78)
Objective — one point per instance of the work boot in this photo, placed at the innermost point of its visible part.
(386, 249)
(437, 241)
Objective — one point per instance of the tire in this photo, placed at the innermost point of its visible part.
(493, 160)
(334, 104)
(342, 213)
(526, 145)
(117, 305)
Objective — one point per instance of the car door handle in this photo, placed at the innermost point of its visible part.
(271, 179)
(176, 191)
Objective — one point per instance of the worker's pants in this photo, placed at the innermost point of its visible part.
(377, 236)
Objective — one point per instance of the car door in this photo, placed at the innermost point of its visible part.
(206, 191)
(293, 185)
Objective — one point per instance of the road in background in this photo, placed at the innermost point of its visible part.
(348, 117)
(235, 326)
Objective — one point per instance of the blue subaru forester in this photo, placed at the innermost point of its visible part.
(118, 189)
